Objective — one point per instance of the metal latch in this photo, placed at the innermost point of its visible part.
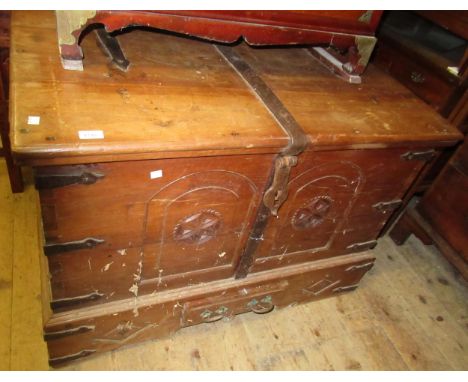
(55, 248)
(424, 156)
(73, 301)
(278, 191)
(45, 182)
(362, 246)
(385, 207)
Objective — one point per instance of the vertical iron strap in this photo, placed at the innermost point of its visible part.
(297, 137)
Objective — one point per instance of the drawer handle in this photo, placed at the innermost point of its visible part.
(218, 314)
(385, 207)
(417, 77)
(265, 305)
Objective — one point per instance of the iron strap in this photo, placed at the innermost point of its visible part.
(276, 192)
(297, 137)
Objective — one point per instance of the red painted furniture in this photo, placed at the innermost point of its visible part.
(349, 33)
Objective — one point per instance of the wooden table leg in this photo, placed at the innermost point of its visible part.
(409, 223)
(14, 171)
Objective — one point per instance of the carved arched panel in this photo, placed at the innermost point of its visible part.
(197, 224)
(319, 199)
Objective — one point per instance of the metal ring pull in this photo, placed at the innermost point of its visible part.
(218, 314)
(265, 305)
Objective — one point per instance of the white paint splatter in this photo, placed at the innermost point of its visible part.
(106, 267)
(134, 289)
(160, 276)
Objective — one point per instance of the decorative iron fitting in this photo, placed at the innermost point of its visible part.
(347, 288)
(89, 242)
(265, 305)
(385, 207)
(362, 246)
(278, 191)
(71, 357)
(298, 141)
(297, 138)
(360, 266)
(218, 314)
(49, 336)
(424, 156)
(45, 182)
(72, 301)
(366, 17)
(365, 46)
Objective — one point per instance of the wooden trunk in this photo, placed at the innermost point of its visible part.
(204, 182)
(349, 33)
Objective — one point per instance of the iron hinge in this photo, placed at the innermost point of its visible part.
(362, 246)
(385, 207)
(47, 181)
(424, 156)
(55, 248)
(49, 336)
(73, 301)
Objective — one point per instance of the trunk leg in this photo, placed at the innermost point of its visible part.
(407, 225)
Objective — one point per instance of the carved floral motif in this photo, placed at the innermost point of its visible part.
(312, 214)
(199, 227)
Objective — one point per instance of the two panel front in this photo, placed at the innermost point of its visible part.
(338, 202)
(119, 230)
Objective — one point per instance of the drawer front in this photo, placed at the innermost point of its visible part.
(72, 336)
(151, 225)
(259, 299)
(433, 89)
(76, 338)
(336, 202)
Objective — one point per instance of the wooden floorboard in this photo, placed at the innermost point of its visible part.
(410, 313)
(6, 265)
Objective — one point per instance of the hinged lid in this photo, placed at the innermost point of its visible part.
(379, 112)
(179, 98)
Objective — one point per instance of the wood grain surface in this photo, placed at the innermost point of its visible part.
(179, 98)
(166, 102)
(410, 300)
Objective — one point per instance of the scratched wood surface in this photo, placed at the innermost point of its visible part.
(333, 112)
(171, 96)
(181, 98)
(410, 312)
